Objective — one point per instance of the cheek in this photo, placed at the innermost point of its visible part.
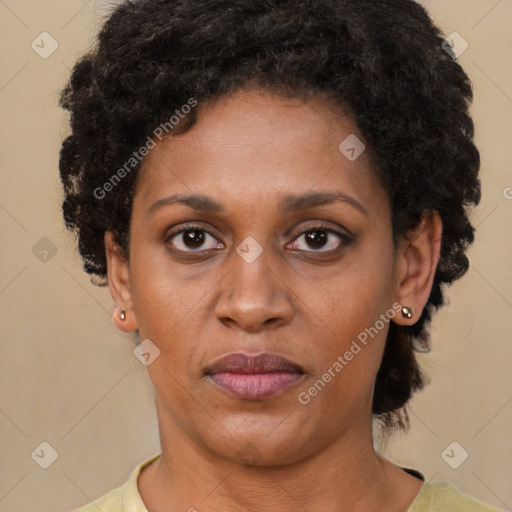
(345, 321)
(162, 297)
(347, 342)
(346, 302)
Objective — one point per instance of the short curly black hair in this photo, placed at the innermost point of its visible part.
(383, 62)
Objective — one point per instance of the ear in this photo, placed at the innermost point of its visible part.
(118, 274)
(417, 258)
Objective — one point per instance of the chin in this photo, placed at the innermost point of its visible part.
(260, 443)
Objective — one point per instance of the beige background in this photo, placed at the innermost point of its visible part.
(68, 377)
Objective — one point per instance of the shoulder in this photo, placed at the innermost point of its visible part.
(122, 499)
(446, 497)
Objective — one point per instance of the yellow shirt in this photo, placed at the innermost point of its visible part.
(433, 497)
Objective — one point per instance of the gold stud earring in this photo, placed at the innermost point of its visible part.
(122, 315)
(407, 312)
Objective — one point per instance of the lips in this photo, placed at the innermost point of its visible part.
(266, 362)
(253, 377)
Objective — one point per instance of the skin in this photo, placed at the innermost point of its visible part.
(304, 302)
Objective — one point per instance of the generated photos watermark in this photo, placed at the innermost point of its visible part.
(305, 397)
(137, 156)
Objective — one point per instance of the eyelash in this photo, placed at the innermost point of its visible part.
(345, 239)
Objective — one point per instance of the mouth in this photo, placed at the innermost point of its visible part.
(253, 377)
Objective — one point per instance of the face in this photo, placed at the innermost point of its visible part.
(253, 233)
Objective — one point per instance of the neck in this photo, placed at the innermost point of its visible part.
(345, 476)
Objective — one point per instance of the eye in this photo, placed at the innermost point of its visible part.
(320, 239)
(192, 239)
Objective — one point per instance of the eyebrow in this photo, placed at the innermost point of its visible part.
(291, 203)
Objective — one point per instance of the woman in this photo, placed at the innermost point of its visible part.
(275, 193)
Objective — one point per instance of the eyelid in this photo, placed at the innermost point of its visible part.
(187, 227)
(321, 226)
(324, 225)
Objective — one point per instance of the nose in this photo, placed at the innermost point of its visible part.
(253, 296)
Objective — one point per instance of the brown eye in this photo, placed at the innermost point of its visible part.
(319, 239)
(193, 238)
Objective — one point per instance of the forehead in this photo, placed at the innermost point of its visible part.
(253, 144)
